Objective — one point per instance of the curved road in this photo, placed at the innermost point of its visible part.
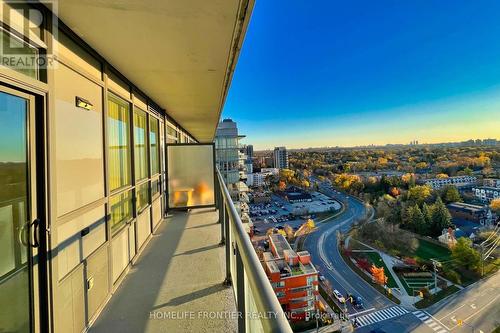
(322, 245)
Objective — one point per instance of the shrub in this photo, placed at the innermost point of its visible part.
(452, 276)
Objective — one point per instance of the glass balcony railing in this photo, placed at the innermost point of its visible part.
(254, 295)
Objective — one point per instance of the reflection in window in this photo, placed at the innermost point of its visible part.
(18, 55)
(153, 141)
(140, 152)
(142, 196)
(155, 187)
(118, 143)
(121, 209)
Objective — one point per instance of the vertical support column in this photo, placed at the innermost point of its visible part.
(227, 281)
(220, 208)
(240, 292)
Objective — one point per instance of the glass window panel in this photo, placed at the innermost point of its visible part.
(140, 152)
(190, 175)
(153, 141)
(142, 196)
(118, 143)
(121, 209)
(18, 55)
(155, 187)
(14, 194)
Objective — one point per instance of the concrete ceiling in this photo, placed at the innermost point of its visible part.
(181, 53)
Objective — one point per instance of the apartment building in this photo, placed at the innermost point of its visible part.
(227, 150)
(491, 182)
(473, 213)
(486, 194)
(280, 158)
(258, 179)
(461, 182)
(108, 120)
(293, 277)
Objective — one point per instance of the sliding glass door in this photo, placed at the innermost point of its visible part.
(18, 214)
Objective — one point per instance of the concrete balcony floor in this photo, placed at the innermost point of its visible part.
(179, 273)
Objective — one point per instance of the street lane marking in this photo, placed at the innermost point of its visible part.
(453, 311)
(365, 311)
(429, 321)
(381, 315)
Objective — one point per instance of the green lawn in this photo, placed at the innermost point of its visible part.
(436, 297)
(375, 259)
(427, 250)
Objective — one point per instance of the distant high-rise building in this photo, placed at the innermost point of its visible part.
(249, 149)
(280, 158)
(227, 151)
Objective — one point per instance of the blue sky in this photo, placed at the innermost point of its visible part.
(346, 73)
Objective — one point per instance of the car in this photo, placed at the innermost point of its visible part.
(356, 301)
(322, 278)
(339, 296)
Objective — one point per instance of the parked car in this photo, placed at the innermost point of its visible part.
(339, 296)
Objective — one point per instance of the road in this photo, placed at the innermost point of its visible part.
(477, 306)
(321, 244)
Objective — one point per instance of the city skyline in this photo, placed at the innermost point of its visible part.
(369, 74)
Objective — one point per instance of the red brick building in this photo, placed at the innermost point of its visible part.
(293, 277)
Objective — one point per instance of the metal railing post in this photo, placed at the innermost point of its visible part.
(227, 281)
(221, 210)
(240, 291)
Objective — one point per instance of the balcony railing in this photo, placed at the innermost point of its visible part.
(259, 309)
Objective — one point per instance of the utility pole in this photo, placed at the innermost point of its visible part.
(435, 264)
(482, 259)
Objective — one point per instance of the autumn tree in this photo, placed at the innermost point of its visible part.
(282, 185)
(288, 231)
(419, 193)
(495, 205)
(378, 275)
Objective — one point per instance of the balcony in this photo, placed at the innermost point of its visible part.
(196, 274)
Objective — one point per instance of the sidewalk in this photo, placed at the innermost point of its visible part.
(406, 300)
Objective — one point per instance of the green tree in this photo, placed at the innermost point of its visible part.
(465, 255)
(449, 193)
(417, 220)
(426, 212)
(441, 217)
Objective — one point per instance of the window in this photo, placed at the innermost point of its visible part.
(155, 187)
(153, 142)
(19, 55)
(118, 143)
(142, 192)
(120, 206)
(140, 152)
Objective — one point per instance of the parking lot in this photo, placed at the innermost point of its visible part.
(279, 211)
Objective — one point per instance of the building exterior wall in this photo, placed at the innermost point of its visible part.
(101, 178)
(280, 158)
(486, 194)
(458, 181)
